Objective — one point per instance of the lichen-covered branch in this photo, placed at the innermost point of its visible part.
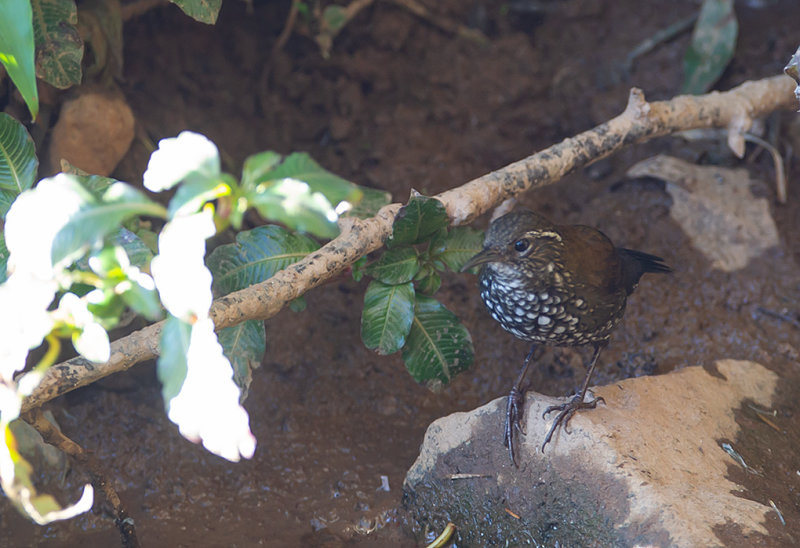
(735, 110)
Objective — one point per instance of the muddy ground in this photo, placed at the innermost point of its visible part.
(401, 104)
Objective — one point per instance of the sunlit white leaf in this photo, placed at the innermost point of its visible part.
(35, 218)
(24, 320)
(181, 276)
(177, 158)
(207, 407)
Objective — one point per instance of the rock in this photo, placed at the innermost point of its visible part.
(94, 131)
(645, 469)
(716, 208)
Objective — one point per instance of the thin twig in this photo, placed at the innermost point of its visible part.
(56, 438)
(641, 121)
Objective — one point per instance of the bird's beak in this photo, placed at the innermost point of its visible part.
(485, 256)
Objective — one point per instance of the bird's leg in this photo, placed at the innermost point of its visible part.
(514, 407)
(566, 410)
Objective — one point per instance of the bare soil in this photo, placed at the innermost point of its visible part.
(401, 104)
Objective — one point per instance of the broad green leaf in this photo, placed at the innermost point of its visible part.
(142, 298)
(369, 204)
(96, 184)
(205, 11)
(18, 162)
(192, 194)
(430, 284)
(301, 167)
(387, 315)
(296, 205)
(17, 50)
(7, 198)
(206, 406)
(396, 266)
(438, 346)
(257, 167)
(138, 252)
(456, 247)
(712, 47)
(172, 362)
(3, 259)
(418, 220)
(189, 156)
(256, 256)
(97, 218)
(59, 48)
(244, 345)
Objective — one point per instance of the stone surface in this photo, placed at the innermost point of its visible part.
(93, 132)
(646, 469)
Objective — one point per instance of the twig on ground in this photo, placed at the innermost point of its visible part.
(735, 109)
(55, 437)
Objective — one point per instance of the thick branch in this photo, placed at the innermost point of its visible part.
(641, 121)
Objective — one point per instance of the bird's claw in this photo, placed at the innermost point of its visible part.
(566, 410)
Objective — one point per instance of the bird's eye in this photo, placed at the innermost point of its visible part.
(522, 245)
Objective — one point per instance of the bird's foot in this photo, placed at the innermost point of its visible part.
(565, 412)
(514, 409)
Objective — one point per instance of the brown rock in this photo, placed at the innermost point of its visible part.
(646, 469)
(93, 132)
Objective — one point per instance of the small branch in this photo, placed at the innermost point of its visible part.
(735, 110)
(56, 438)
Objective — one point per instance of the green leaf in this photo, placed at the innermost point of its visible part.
(298, 305)
(296, 205)
(438, 346)
(97, 218)
(418, 220)
(712, 47)
(192, 194)
(7, 198)
(369, 204)
(142, 299)
(387, 315)
(396, 266)
(172, 364)
(3, 259)
(256, 256)
(457, 246)
(244, 345)
(257, 167)
(139, 254)
(17, 49)
(18, 162)
(301, 167)
(189, 156)
(59, 48)
(430, 284)
(205, 11)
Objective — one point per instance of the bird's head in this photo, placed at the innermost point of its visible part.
(520, 243)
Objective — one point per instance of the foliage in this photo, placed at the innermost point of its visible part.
(48, 32)
(712, 47)
(75, 261)
(399, 313)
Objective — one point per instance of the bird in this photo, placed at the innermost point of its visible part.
(557, 285)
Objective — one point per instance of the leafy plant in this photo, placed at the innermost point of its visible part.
(42, 38)
(712, 47)
(72, 267)
(399, 312)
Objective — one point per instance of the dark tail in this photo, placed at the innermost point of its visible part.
(637, 263)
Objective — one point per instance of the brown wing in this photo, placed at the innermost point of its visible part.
(592, 257)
